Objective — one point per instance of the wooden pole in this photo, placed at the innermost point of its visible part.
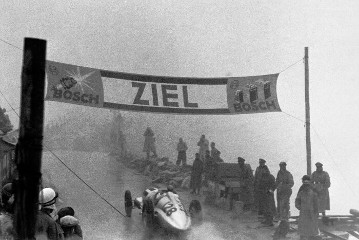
(29, 148)
(307, 114)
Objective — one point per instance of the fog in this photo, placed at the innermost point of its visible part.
(211, 39)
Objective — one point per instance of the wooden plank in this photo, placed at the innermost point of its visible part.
(354, 234)
(332, 235)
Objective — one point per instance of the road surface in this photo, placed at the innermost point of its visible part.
(99, 205)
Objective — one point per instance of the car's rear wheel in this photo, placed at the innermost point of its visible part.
(195, 210)
(148, 213)
(128, 203)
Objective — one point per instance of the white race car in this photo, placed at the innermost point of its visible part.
(163, 207)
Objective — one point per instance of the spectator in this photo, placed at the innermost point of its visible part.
(203, 147)
(46, 226)
(321, 184)
(218, 158)
(7, 212)
(214, 151)
(181, 148)
(70, 226)
(246, 184)
(307, 204)
(150, 143)
(209, 165)
(266, 187)
(284, 184)
(196, 175)
(257, 176)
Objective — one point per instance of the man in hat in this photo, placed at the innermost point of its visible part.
(307, 204)
(321, 184)
(246, 184)
(46, 225)
(266, 187)
(257, 176)
(284, 184)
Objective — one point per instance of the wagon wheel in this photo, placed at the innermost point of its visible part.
(128, 203)
(148, 213)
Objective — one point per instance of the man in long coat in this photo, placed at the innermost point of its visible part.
(149, 144)
(246, 183)
(257, 176)
(203, 144)
(196, 175)
(182, 156)
(321, 184)
(284, 184)
(307, 204)
(266, 187)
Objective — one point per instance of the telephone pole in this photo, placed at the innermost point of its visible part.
(29, 147)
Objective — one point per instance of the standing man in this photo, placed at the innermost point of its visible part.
(181, 148)
(208, 166)
(321, 184)
(214, 150)
(149, 144)
(196, 175)
(257, 176)
(46, 225)
(203, 147)
(284, 184)
(246, 184)
(266, 187)
(307, 204)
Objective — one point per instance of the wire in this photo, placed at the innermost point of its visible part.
(10, 44)
(292, 65)
(332, 158)
(85, 182)
(9, 103)
(70, 168)
(294, 117)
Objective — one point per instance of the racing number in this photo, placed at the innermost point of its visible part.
(169, 209)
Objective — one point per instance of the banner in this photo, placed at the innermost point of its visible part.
(253, 94)
(145, 93)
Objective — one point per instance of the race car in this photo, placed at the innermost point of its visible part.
(164, 208)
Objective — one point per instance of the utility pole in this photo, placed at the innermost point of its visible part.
(29, 147)
(307, 113)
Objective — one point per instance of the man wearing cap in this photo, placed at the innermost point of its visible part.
(284, 184)
(46, 225)
(246, 184)
(307, 204)
(266, 187)
(321, 184)
(257, 176)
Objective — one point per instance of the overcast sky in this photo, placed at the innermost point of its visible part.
(211, 39)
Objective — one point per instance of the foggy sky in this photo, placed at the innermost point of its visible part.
(213, 39)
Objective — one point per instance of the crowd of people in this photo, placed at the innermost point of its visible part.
(257, 188)
(50, 224)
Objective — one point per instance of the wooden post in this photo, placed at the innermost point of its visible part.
(307, 114)
(29, 148)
